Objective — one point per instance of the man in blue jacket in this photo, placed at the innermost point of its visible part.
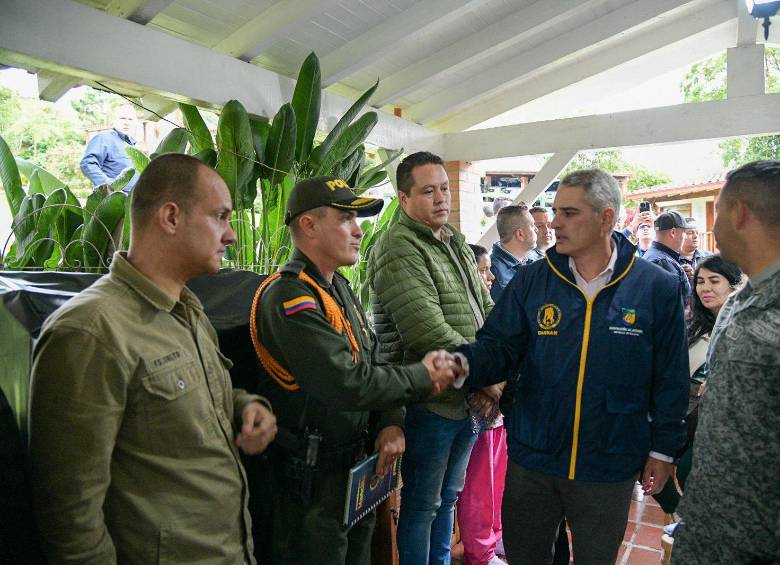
(670, 228)
(598, 337)
(105, 155)
(517, 238)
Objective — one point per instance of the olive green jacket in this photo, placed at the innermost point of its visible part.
(420, 302)
(342, 393)
(132, 431)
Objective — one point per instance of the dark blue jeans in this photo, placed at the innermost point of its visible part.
(433, 470)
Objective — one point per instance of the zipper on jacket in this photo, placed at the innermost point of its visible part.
(583, 360)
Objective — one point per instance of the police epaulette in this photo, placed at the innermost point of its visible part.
(293, 267)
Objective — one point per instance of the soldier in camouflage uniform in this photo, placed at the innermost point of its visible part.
(731, 507)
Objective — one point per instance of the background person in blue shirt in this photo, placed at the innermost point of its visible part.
(105, 155)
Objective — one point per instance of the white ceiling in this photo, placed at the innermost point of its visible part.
(450, 65)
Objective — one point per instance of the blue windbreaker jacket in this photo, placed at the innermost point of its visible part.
(603, 382)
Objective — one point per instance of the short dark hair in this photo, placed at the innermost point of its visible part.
(478, 250)
(403, 173)
(757, 184)
(172, 177)
(511, 218)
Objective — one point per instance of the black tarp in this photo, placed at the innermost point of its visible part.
(26, 300)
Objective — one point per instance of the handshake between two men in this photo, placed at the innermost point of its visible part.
(445, 370)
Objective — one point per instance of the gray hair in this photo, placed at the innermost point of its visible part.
(601, 189)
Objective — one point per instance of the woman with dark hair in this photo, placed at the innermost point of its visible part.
(714, 280)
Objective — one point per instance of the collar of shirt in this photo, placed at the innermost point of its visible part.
(668, 250)
(600, 281)
(311, 269)
(765, 275)
(123, 270)
(507, 255)
(124, 137)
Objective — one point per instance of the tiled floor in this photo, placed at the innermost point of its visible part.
(642, 540)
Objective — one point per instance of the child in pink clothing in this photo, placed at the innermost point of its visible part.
(479, 504)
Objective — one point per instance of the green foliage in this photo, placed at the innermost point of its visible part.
(174, 142)
(53, 230)
(306, 105)
(236, 154)
(95, 108)
(280, 149)
(9, 106)
(346, 143)
(200, 136)
(741, 150)
(612, 161)
(137, 157)
(707, 81)
(45, 133)
(323, 148)
(372, 230)
(9, 176)
(642, 178)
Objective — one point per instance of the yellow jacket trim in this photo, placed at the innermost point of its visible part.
(583, 359)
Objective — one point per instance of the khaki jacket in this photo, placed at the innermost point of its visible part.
(132, 431)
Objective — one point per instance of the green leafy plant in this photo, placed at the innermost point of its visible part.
(51, 229)
(259, 160)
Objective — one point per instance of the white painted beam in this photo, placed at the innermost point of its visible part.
(499, 77)
(53, 86)
(650, 52)
(61, 35)
(146, 13)
(256, 35)
(521, 26)
(746, 115)
(124, 8)
(546, 175)
(382, 39)
(745, 70)
(747, 28)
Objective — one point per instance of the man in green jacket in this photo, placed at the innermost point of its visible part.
(427, 296)
(325, 381)
(133, 422)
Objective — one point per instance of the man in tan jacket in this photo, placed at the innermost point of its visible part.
(133, 422)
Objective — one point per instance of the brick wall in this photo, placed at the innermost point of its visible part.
(466, 207)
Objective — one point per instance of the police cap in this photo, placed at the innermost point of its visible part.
(328, 191)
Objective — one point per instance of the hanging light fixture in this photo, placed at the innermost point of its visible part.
(763, 9)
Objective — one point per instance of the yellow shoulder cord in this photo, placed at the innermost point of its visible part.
(333, 313)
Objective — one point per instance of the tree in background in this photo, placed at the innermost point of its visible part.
(95, 108)
(707, 81)
(55, 135)
(613, 161)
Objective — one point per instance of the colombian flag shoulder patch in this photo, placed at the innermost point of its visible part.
(297, 304)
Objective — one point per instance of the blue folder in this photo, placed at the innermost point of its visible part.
(366, 490)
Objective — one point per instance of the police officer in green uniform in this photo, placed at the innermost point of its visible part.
(334, 401)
